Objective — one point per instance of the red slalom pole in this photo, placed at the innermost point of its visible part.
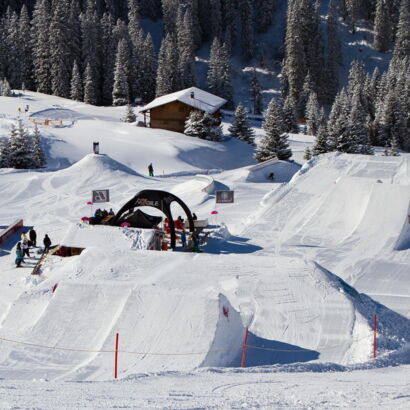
(374, 336)
(116, 357)
(245, 341)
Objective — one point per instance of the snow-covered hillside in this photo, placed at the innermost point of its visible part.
(304, 262)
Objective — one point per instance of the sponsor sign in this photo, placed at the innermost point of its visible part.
(101, 195)
(224, 197)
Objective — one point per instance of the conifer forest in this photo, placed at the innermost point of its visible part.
(101, 52)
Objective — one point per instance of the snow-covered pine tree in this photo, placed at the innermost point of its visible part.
(109, 48)
(213, 127)
(213, 75)
(40, 40)
(24, 49)
(13, 66)
(382, 27)
(391, 149)
(120, 92)
(129, 115)
(308, 154)
(149, 70)
(60, 50)
(334, 54)
(275, 143)
(321, 141)
(215, 12)
(169, 13)
(38, 156)
(21, 155)
(240, 127)
(312, 114)
(186, 49)
(402, 44)
(338, 121)
(290, 123)
(167, 72)
(76, 92)
(256, 95)
(5, 89)
(194, 126)
(4, 153)
(89, 86)
(358, 126)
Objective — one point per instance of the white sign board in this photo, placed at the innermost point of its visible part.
(101, 195)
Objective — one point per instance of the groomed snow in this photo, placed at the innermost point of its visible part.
(304, 262)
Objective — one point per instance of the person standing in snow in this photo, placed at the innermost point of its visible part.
(26, 248)
(150, 170)
(19, 255)
(183, 238)
(47, 243)
(23, 236)
(33, 236)
(194, 217)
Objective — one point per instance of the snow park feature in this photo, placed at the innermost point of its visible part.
(301, 265)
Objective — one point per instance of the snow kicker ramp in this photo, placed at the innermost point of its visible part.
(174, 318)
(349, 213)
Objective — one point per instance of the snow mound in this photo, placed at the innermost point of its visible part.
(58, 113)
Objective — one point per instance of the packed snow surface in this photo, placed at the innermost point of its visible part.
(304, 262)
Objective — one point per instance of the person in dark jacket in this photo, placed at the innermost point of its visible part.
(47, 243)
(150, 170)
(25, 247)
(33, 237)
(194, 217)
(19, 255)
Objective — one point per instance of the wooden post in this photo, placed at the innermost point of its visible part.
(116, 358)
(245, 341)
(374, 336)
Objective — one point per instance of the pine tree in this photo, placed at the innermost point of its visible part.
(129, 114)
(89, 86)
(402, 45)
(334, 54)
(4, 153)
(392, 149)
(109, 48)
(5, 89)
(38, 156)
(24, 49)
(40, 39)
(194, 126)
(264, 10)
(240, 127)
(246, 25)
(149, 70)
(312, 114)
(20, 148)
(120, 93)
(76, 93)
(256, 95)
(289, 118)
(213, 127)
(186, 48)
(308, 154)
(338, 120)
(60, 50)
(167, 72)
(216, 19)
(321, 141)
(13, 68)
(213, 75)
(382, 27)
(274, 144)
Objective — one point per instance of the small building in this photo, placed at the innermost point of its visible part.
(170, 111)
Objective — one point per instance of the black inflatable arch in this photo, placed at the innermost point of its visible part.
(157, 199)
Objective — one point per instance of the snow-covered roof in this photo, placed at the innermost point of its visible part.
(201, 100)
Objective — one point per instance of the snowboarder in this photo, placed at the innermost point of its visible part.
(26, 248)
(47, 243)
(183, 238)
(150, 170)
(33, 236)
(19, 255)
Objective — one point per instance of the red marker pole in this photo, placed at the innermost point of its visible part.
(116, 357)
(245, 341)
(374, 336)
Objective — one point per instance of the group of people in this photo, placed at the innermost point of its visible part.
(23, 247)
(100, 215)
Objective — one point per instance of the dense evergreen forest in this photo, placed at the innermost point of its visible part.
(96, 51)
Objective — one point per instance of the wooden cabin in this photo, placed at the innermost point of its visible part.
(170, 111)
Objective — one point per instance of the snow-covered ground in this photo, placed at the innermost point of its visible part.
(304, 262)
